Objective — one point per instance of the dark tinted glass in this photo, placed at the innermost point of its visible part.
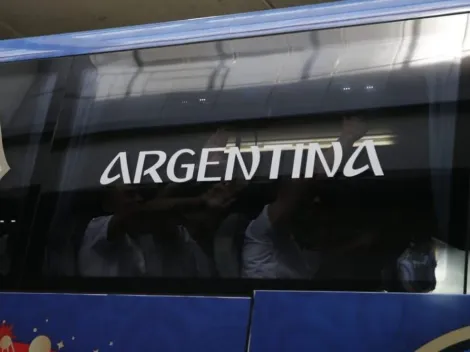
(28, 113)
(330, 159)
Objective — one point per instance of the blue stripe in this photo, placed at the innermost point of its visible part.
(226, 27)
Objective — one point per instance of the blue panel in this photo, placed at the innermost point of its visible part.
(302, 321)
(127, 323)
(226, 27)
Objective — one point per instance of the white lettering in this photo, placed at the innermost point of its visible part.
(122, 158)
(234, 153)
(297, 165)
(349, 170)
(276, 160)
(170, 168)
(152, 170)
(204, 162)
(314, 149)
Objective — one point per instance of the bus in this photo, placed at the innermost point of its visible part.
(315, 148)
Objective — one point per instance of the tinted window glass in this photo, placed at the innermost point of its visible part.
(27, 115)
(324, 159)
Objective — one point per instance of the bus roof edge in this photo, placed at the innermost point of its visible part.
(287, 20)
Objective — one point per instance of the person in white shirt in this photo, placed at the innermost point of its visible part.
(146, 238)
(101, 256)
(270, 250)
(142, 239)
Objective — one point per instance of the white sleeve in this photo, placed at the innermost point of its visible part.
(258, 249)
(96, 253)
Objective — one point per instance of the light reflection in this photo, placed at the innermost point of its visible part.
(245, 147)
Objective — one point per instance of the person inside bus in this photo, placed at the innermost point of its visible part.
(414, 270)
(121, 244)
(203, 221)
(270, 250)
(145, 237)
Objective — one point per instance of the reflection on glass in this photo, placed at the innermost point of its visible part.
(26, 90)
(322, 158)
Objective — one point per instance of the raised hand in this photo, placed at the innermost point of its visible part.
(218, 140)
(353, 129)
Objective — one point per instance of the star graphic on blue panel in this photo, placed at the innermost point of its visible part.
(60, 345)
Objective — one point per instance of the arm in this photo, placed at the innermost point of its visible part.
(95, 248)
(281, 211)
(168, 189)
(174, 204)
(217, 197)
(217, 140)
(352, 130)
(258, 249)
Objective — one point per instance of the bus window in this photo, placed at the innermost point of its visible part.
(312, 160)
(29, 92)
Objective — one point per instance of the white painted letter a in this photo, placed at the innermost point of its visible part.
(374, 162)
